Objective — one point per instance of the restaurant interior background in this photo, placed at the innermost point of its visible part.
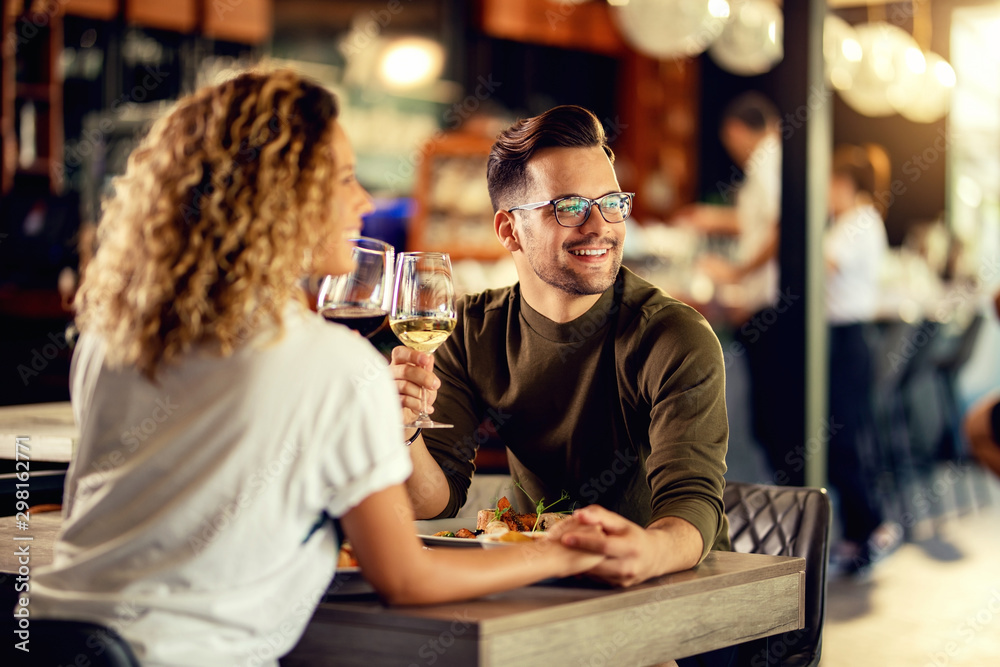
(425, 85)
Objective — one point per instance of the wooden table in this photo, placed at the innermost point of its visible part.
(729, 599)
(42, 529)
(49, 428)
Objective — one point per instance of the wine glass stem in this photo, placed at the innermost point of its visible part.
(423, 404)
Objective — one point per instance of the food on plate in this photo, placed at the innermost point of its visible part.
(503, 524)
(503, 518)
(513, 536)
(346, 556)
(494, 527)
(461, 532)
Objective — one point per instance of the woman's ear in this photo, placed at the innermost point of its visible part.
(506, 231)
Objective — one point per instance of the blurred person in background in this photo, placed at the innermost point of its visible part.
(750, 132)
(982, 424)
(854, 246)
(213, 530)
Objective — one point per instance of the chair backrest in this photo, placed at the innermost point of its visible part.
(786, 521)
(61, 642)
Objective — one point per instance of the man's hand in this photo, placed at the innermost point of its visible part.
(427, 487)
(633, 553)
(412, 372)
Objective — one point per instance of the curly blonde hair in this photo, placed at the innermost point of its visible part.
(214, 221)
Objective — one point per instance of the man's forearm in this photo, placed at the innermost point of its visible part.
(427, 487)
(679, 544)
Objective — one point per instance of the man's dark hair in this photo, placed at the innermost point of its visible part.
(565, 126)
(753, 110)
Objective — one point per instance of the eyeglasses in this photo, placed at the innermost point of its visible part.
(574, 210)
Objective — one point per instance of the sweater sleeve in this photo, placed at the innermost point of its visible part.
(455, 448)
(683, 379)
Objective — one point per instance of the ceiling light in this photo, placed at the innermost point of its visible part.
(411, 62)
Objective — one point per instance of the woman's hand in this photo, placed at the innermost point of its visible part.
(412, 372)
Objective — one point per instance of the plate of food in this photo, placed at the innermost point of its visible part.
(348, 580)
(456, 532)
(500, 525)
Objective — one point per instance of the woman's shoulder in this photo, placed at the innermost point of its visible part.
(317, 344)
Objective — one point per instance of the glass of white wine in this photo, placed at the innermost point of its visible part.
(423, 310)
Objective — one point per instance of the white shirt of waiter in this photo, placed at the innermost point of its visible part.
(856, 244)
(758, 208)
(193, 511)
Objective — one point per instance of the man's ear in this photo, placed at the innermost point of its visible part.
(503, 225)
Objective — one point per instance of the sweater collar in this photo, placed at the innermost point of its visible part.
(595, 320)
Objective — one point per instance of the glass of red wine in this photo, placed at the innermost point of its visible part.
(360, 299)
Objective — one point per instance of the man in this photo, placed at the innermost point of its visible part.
(750, 133)
(854, 247)
(599, 385)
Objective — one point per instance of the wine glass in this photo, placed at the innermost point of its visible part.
(360, 299)
(423, 310)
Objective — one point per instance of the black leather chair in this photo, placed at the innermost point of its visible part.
(784, 521)
(78, 643)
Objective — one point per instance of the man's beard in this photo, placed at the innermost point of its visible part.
(562, 277)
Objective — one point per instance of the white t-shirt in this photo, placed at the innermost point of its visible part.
(856, 242)
(193, 507)
(758, 208)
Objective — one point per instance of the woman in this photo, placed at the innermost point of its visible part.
(221, 422)
(853, 249)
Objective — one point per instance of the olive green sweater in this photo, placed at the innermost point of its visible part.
(623, 407)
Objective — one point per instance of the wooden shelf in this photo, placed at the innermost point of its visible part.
(42, 62)
(8, 71)
(245, 21)
(423, 232)
(36, 92)
(582, 26)
(103, 10)
(659, 103)
(40, 167)
(175, 15)
(481, 253)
